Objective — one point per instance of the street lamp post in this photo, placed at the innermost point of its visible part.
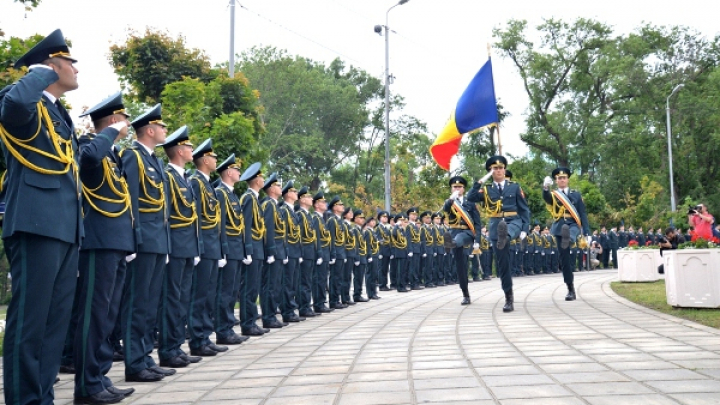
(378, 29)
(669, 136)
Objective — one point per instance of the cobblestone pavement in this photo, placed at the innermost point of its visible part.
(424, 347)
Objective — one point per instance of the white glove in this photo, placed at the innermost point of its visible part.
(357, 263)
(454, 195)
(589, 239)
(410, 254)
(471, 256)
(523, 235)
(271, 259)
(319, 261)
(119, 125)
(167, 259)
(369, 259)
(196, 260)
(131, 257)
(392, 257)
(547, 182)
(222, 263)
(344, 260)
(476, 246)
(247, 260)
(285, 260)
(380, 257)
(434, 254)
(300, 260)
(424, 255)
(332, 261)
(39, 65)
(543, 253)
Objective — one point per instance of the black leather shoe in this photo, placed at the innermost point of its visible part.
(175, 362)
(416, 288)
(509, 300)
(293, 318)
(272, 325)
(190, 359)
(323, 310)
(361, 299)
(124, 392)
(213, 346)
(117, 356)
(253, 331)
(476, 278)
(374, 297)
(69, 369)
(384, 289)
(441, 284)
(308, 314)
(349, 302)
(102, 397)
(162, 371)
(487, 278)
(465, 301)
(402, 290)
(430, 286)
(203, 351)
(144, 376)
(231, 340)
(338, 305)
(571, 292)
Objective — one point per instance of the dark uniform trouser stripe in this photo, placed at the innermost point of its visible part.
(86, 320)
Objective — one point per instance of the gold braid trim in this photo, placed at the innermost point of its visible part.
(372, 240)
(491, 208)
(361, 242)
(556, 209)
(210, 215)
(310, 234)
(159, 203)
(414, 237)
(384, 235)
(399, 242)
(235, 224)
(339, 232)
(111, 179)
(350, 241)
(293, 231)
(428, 236)
(439, 238)
(258, 225)
(325, 236)
(279, 224)
(176, 194)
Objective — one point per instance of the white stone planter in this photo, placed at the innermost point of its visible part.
(638, 265)
(692, 278)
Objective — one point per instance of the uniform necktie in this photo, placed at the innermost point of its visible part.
(499, 185)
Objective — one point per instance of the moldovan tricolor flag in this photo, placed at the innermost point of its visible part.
(476, 109)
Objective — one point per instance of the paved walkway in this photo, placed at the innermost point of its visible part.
(424, 347)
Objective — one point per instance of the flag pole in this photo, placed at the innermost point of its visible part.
(497, 127)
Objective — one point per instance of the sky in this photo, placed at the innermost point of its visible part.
(435, 46)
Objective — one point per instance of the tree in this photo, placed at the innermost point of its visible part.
(149, 62)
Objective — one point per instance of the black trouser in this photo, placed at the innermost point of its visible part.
(43, 284)
(174, 299)
(248, 286)
(320, 284)
(394, 272)
(141, 295)
(305, 285)
(565, 265)
(288, 304)
(475, 267)
(222, 285)
(270, 276)
(336, 271)
(358, 279)
(503, 266)
(461, 267)
(428, 269)
(414, 269)
(383, 269)
(401, 264)
(613, 252)
(102, 276)
(371, 277)
(346, 279)
(605, 257)
(68, 353)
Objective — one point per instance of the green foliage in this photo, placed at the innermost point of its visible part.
(149, 62)
(11, 49)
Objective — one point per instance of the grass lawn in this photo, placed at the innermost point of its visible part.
(652, 295)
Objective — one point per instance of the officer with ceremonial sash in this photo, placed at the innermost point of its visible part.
(568, 210)
(254, 234)
(42, 227)
(464, 221)
(382, 230)
(323, 255)
(185, 251)
(148, 184)
(289, 277)
(505, 205)
(108, 240)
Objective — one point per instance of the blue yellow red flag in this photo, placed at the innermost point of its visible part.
(476, 109)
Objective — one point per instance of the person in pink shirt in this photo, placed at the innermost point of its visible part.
(702, 220)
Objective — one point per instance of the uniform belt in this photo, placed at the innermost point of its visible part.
(458, 227)
(504, 214)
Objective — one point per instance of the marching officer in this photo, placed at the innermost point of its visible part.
(147, 182)
(568, 211)
(505, 205)
(40, 237)
(108, 240)
(464, 221)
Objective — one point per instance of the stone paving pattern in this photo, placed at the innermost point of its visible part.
(424, 347)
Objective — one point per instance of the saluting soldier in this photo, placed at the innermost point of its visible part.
(323, 254)
(276, 256)
(337, 253)
(383, 230)
(147, 182)
(362, 251)
(370, 235)
(290, 272)
(568, 210)
(108, 240)
(185, 251)
(464, 221)
(253, 237)
(509, 217)
(42, 226)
